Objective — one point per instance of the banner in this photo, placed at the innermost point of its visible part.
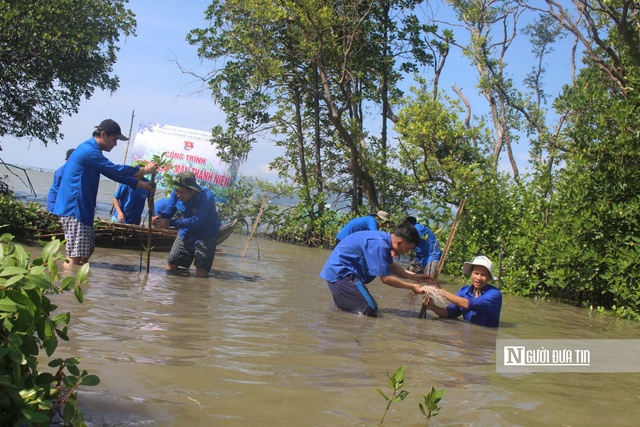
(188, 150)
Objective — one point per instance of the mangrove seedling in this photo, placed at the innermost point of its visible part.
(430, 407)
(396, 382)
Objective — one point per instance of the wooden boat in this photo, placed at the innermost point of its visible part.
(129, 236)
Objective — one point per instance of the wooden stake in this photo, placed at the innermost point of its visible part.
(126, 150)
(150, 215)
(452, 233)
(255, 226)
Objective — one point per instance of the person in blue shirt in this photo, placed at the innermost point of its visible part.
(55, 185)
(361, 257)
(478, 303)
(428, 252)
(159, 204)
(76, 201)
(197, 223)
(366, 223)
(128, 204)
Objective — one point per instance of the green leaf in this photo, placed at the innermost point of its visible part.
(8, 306)
(51, 249)
(19, 298)
(78, 292)
(12, 271)
(50, 345)
(35, 417)
(73, 369)
(90, 380)
(401, 396)
(83, 273)
(12, 280)
(62, 333)
(62, 318)
(70, 381)
(69, 411)
(55, 363)
(45, 379)
(37, 281)
(67, 283)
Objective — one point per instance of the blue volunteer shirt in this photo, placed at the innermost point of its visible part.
(55, 186)
(365, 223)
(159, 204)
(429, 249)
(132, 202)
(197, 218)
(483, 310)
(81, 178)
(366, 254)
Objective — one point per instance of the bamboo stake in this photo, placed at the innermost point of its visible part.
(126, 150)
(255, 226)
(150, 215)
(452, 233)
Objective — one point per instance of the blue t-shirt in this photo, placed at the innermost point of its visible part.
(358, 224)
(366, 254)
(159, 204)
(132, 202)
(79, 185)
(197, 218)
(483, 310)
(53, 191)
(429, 249)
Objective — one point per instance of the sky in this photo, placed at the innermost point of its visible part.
(152, 86)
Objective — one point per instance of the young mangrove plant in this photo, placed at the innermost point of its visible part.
(396, 382)
(431, 400)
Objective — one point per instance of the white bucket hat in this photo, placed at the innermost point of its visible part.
(383, 216)
(479, 260)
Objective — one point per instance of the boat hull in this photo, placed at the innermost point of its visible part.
(129, 236)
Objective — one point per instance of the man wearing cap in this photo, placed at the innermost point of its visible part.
(478, 303)
(197, 223)
(363, 256)
(76, 201)
(366, 223)
(55, 185)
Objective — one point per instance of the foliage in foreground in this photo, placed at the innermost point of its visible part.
(29, 396)
(396, 383)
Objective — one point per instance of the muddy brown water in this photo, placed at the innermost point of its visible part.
(260, 343)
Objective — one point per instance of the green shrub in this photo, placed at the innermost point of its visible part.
(29, 396)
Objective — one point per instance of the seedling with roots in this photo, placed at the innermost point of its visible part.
(396, 381)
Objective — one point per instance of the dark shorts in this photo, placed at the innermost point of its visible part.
(350, 294)
(185, 251)
(81, 238)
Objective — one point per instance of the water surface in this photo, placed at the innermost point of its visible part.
(260, 343)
